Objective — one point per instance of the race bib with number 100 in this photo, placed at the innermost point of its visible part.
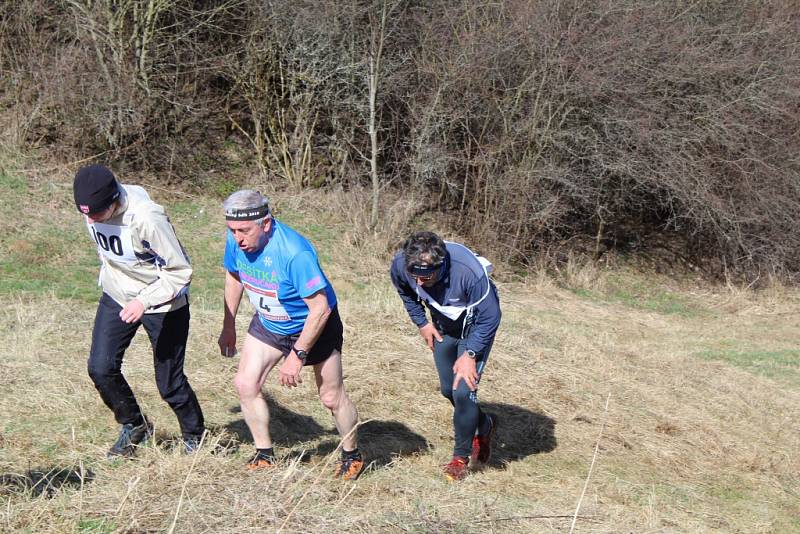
(114, 242)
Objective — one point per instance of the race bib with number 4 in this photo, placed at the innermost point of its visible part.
(266, 303)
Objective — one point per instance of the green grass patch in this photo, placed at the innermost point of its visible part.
(323, 236)
(641, 295)
(201, 229)
(224, 187)
(782, 364)
(14, 190)
(12, 182)
(51, 253)
(729, 494)
(96, 526)
(674, 493)
(51, 259)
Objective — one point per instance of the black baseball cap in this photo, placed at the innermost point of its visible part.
(95, 189)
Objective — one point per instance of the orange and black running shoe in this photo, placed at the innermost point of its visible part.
(261, 461)
(349, 467)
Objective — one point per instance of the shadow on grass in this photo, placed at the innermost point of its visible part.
(520, 433)
(44, 481)
(287, 428)
(381, 442)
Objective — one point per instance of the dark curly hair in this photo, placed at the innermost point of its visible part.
(424, 248)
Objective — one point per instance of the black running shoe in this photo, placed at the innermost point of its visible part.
(482, 445)
(130, 436)
(191, 443)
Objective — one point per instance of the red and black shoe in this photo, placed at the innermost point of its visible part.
(457, 469)
(482, 444)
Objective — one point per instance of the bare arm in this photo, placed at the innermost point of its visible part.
(232, 298)
(318, 313)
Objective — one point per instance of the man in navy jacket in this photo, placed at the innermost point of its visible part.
(453, 283)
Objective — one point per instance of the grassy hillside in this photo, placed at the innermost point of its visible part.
(685, 398)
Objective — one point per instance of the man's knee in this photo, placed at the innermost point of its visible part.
(462, 395)
(100, 372)
(172, 390)
(246, 387)
(447, 391)
(331, 398)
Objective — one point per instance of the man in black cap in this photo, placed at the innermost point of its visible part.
(145, 276)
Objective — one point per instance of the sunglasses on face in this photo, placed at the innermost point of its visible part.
(425, 273)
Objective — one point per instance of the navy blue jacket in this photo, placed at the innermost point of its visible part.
(464, 284)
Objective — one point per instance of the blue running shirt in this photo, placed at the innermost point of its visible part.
(278, 277)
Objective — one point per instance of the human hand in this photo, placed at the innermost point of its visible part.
(466, 370)
(429, 333)
(227, 342)
(132, 311)
(290, 371)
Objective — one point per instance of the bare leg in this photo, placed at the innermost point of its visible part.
(254, 365)
(333, 396)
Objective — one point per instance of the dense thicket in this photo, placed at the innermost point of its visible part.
(624, 123)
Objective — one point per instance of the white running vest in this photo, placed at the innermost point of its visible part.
(454, 312)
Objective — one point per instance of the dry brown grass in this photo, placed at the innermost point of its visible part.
(691, 443)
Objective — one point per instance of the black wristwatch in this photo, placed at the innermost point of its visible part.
(471, 354)
(301, 354)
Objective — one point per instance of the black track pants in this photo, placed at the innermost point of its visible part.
(467, 416)
(168, 333)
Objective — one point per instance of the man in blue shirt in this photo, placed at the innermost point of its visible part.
(296, 323)
(454, 285)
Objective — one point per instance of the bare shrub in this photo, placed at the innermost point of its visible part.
(308, 89)
(291, 79)
(530, 127)
(116, 78)
(616, 120)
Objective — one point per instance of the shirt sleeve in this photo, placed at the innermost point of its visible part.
(229, 257)
(415, 309)
(306, 274)
(486, 315)
(156, 236)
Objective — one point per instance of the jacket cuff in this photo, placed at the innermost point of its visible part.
(145, 301)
